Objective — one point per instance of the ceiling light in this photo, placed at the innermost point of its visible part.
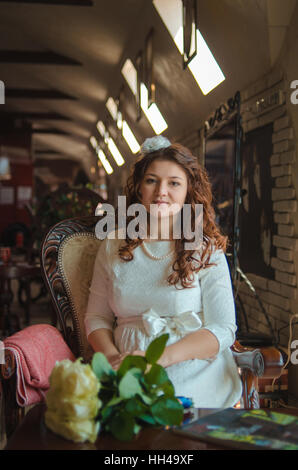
(203, 66)
(152, 113)
(130, 74)
(115, 152)
(122, 125)
(130, 138)
(112, 107)
(93, 142)
(101, 128)
(119, 120)
(105, 162)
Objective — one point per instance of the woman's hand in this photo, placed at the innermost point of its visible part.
(137, 352)
(162, 361)
(116, 360)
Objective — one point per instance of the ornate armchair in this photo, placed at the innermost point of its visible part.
(67, 257)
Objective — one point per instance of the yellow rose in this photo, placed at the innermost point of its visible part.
(72, 401)
(74, 378)
(73, 408)
(77, 431)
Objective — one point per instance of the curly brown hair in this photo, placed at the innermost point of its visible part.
(198, 192)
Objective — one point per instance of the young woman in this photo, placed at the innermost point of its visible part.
(143, 287)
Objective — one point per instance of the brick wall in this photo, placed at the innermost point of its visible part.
(278, 296)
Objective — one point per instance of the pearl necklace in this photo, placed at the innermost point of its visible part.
(157, 258)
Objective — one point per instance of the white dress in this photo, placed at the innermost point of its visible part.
(134, 300)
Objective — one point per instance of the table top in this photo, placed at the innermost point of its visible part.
(32, 434)
(18, 270)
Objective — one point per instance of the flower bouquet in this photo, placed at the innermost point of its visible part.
(85, 399)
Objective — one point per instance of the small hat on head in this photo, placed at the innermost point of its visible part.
(152, 144)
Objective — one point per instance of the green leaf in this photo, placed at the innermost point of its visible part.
(167, 411)
(105, 414)
(101, 366)
(146, 399)
(130, 362)
(157, 375)
(136, 372)
(137, 428)
(135, 407)
(168, 389)
(114, 401)
(129, 386)
(156, 348)
(122, 426)
(148, 419)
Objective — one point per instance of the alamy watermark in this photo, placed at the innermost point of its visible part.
(2, 92)
(294, 354)
(159, 217)
(294, 94)
(2, 355)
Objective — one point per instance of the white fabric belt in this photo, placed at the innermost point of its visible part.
(154, 324)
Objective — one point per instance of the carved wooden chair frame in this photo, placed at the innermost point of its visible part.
(252, 363)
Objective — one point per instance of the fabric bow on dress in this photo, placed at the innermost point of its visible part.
(180, 324)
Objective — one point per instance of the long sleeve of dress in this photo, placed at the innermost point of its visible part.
(218, 301)
(99, 313)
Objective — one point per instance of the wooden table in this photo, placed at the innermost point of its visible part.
(32, 434)
(23, 272)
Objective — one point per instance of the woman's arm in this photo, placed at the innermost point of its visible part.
(201, 344)
(99, 317)
(101, 340)
(218, 331)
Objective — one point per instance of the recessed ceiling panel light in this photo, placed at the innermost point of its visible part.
(105, 162)
(152, 113)
(203, 66)
(112, 107)
(130, 74)
(101, 128)
(130, 138)
(93, 142)
(115, 152)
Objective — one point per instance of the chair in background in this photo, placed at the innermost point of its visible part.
(67, 258)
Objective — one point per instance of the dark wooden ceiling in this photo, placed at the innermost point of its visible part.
(61, 60)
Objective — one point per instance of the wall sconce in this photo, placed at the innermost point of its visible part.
(100, 155)
(144, 67)
(153, 114)
(115, 109)
(189, 31)
(148, 67)
(102, 129)
(119, 104)
(140, 79)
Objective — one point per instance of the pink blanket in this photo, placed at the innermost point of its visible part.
(36, 350)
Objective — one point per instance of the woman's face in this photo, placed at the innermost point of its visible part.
(164, 186)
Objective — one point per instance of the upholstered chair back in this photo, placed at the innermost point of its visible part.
(67, 257)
